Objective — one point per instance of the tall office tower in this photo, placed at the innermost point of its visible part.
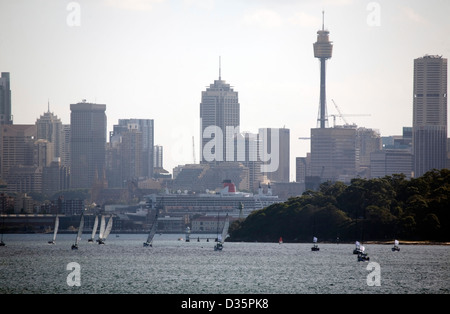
(322, 50)
(158, 156)
(219, 110)
(131, 153)
(249, 158)
(367, 141)
(302, 168)
(429, 114)
(49, 127)
(279, 153)
(333, 153)
(147, 128)
(17, 141)
(5, 99)
(88, 143)
(65, 145)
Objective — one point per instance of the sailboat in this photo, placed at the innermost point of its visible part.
(362, 256)
(102, 228)
(55, 231)
(152, 232)
(221, 237)
(315, 246)
(79, 233)
(105, 233)
(94, 229)
(357, 249)
(395, 248)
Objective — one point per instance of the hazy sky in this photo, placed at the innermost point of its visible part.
(151, 59)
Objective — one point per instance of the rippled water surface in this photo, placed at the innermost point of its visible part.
(29, 265)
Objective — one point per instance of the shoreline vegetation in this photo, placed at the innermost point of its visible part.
(377, 211)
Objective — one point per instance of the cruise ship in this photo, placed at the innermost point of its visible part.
(226, 200)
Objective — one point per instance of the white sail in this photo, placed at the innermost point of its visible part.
(94, 228)
(80, 229)
(226, 225)
(396, 242)
(102, 227)
(108, 228)
(152, 232)
(314, 239)
(55, 232)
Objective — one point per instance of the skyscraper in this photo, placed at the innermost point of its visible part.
(219, 113)
(5, 99)
(49, 127)
(281, 157)
(88, 143)
(147, 128)
(429, 114)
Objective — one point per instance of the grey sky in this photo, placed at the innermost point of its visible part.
(151, 60)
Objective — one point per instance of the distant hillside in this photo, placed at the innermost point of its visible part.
(367, 209)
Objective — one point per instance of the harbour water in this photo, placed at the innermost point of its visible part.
(28, 264)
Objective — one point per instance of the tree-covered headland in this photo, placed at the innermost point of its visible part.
(379, 209)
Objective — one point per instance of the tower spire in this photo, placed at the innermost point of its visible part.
(220, 68)
(323, 20)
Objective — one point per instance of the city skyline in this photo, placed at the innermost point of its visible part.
(155, 57)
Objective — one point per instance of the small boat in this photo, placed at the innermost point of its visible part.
(315, 246)
(221, 237)
(79, 233)
(357, 249)
(105, 234)
(362, 256)
(396, 248)
(55, 231)
(152, 232)
(280, 241)
(94, 229)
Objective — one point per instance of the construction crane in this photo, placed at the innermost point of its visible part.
(340, 115)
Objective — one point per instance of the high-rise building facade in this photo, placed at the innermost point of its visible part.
(49, 127)
(88, 143)
(333, 153)
(219, 113)
(279, 153)
(429, 114)
(5, 99)
(147, 129)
